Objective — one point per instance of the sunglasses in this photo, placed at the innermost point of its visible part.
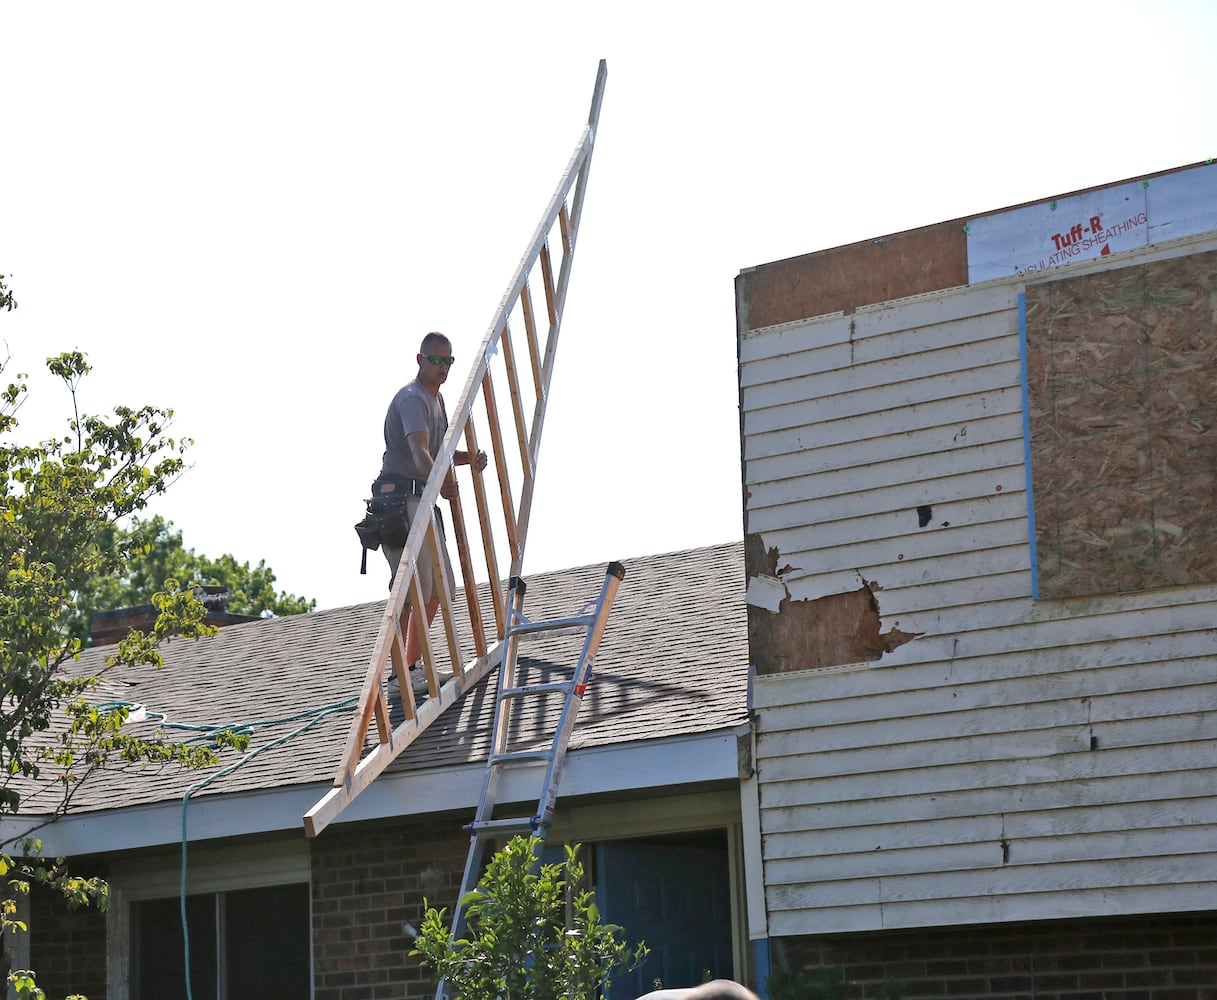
(440, 359)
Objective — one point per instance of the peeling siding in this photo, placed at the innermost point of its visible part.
(787, 634)
(1010, 759)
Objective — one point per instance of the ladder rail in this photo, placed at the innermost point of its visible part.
(358, 766)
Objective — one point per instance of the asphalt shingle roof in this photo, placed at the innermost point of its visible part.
(673, 661)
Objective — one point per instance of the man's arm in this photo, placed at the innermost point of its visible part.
(419, 442)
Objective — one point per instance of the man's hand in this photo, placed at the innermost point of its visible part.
(463, 458)
(449, 489)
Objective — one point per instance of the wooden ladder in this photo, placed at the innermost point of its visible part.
(503, 527)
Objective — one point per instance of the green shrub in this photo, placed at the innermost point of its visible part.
(533, 932)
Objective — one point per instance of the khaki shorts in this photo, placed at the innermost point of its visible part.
(426, 571)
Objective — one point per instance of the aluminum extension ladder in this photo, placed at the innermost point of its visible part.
(593, 617)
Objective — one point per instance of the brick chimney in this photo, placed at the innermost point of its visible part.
(108, 627)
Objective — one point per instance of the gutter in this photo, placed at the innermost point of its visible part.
(640, 766)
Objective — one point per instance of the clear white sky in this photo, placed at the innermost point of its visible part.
(251, 211)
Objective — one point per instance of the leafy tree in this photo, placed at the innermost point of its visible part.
(158, 557)
(534, 933)
(60, 502)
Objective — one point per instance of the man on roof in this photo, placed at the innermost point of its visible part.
(415, 426)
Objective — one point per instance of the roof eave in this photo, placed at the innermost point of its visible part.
(642, 766)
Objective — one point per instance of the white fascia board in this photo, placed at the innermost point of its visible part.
(641, 766)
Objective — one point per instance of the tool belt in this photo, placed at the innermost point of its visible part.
(385, 522)
(397, 488)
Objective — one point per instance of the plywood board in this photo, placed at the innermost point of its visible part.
(847, 277)
(1121, 368)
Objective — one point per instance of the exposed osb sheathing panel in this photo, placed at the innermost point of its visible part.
(892, 267)
(1122, 375)
(805, 634)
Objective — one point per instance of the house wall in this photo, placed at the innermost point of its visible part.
(368, 882)
(67, 947)
(934, 746)
(370, 879)
(1157, 957)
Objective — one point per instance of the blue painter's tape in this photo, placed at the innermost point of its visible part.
(760, 963)
(1022, 350)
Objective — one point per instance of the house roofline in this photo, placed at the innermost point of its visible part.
(643, 766)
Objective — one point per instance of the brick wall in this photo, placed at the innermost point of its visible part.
(366, 884)
(1155, 957)
(67, 948)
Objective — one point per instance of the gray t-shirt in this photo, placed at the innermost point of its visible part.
(413, 409)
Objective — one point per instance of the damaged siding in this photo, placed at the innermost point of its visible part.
(934, 746)
(803, 635)
(884, 452)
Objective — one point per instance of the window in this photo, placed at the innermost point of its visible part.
(243, 943)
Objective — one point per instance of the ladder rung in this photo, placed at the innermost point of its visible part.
(570, 624)
(520, 825)
(548, 686)
(520, 755)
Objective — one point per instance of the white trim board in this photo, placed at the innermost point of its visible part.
(637, 766)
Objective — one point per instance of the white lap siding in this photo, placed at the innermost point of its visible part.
(1018, 759)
